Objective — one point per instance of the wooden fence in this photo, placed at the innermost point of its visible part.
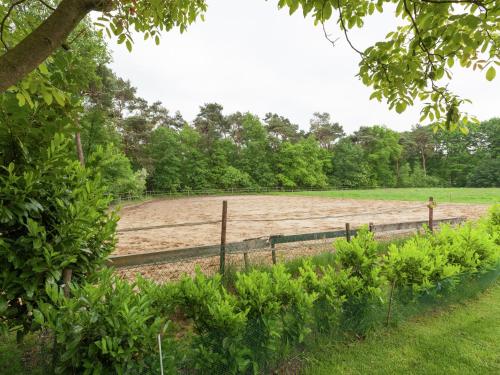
(259, 244)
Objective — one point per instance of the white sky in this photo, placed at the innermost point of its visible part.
(250, 56)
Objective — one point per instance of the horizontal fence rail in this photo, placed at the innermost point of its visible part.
(175, 255)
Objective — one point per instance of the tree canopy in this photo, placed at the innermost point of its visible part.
(413, 64)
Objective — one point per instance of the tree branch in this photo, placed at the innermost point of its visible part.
(4, 19)
(28, 54)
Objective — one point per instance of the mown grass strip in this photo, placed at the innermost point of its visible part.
(440, 195)
(463, 338)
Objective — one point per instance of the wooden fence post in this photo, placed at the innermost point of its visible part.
(370, 227)
(223, 238)
(245, 258)
(348, 232)
(273, 252)
(431, 214)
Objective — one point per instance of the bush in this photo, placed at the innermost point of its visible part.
(246, 326)
(360, 258)
(416, 267)
(53, 216)
(116, 171)
(469, 246)
(328, 302)
(255, 295)
(109, 328)
(218, 345)
(295, 306)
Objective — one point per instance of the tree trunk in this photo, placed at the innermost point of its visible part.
(79, 148)
(28, 54)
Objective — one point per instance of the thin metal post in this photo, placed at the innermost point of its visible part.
(348, 232)
(161, 356)
(223, 238)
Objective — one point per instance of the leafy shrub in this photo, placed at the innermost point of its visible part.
(256, 295)
(295, 306)
(219, 326)
(492, 223)
(53, 215)
(109, 328)
(468, 246)
(328, 302)
(415, 266)
(360, 258)
(362, 283)
(116, 171)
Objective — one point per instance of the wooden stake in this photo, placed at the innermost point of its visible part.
(370, 227)
(223, 238)
(348, 232)
(431, 214)
(245, 258)
(273, 252)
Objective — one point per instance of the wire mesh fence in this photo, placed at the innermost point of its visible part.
(166, 271)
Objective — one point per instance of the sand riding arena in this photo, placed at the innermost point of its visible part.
(189, 222)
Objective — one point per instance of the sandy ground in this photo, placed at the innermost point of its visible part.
(195, 221)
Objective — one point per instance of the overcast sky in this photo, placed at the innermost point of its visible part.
(250, 56)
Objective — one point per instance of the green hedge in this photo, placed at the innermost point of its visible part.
(248, 326)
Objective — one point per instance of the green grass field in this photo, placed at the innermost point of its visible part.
(454, 195)
(460, 339)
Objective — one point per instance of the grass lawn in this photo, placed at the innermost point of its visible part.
(455, 195)
(460, 339)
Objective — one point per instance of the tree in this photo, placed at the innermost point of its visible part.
(255, 157)
(413, 62)
(485, 174)
(301, 164)
(420, 143)
(24, 53)
(280, 127)
(211, 123)
(382, 151)
(349, 166)
(324, 130)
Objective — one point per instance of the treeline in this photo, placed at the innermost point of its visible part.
(241, 150)
(136, 145)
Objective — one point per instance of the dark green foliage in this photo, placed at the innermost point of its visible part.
(251, 322)
(52, 216)
(219, 326)
(108, 328)
(116, 172)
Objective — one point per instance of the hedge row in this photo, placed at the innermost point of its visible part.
(207, 326)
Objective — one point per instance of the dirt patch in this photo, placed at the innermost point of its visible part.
(194, 221)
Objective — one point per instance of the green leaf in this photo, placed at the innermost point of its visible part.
(47, 97)
(59, 97)
(128, 43)
(20, 99)
(491, 73)
(400, 107)
(38, 316)
(43, 69)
